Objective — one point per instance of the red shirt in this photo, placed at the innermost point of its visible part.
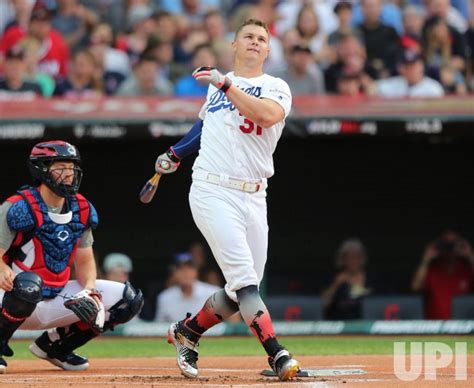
(54, 53)
(443, 284)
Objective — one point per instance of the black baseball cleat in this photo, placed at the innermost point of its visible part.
(284, 365)
(186, 344)
(43, 348)
(5, 350)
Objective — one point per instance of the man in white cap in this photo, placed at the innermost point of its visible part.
(117, 267)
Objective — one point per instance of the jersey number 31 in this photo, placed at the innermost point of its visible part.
(249, 126)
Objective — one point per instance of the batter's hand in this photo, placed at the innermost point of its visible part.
(167, 162)
(6, 277)
(210, 75)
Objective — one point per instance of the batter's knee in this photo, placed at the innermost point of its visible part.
(126, 308)
(27, 292)
(247, 291)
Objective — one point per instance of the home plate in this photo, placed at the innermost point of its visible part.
(320, 372)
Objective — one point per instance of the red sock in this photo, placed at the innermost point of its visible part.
(203, 320)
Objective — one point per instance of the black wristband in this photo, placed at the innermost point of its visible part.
(173, 157)
(227, 85)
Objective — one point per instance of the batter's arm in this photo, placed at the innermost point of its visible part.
(86, 271)
(262, 111)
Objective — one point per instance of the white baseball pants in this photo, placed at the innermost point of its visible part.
(235, 226)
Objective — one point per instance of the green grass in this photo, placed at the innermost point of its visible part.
(248, 346)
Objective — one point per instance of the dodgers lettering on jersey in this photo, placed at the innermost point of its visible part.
(233, 144)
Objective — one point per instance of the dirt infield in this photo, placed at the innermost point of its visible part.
(219, 372)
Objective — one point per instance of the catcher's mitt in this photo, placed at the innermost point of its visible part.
(88, 306)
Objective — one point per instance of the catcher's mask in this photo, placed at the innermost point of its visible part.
(44, 154)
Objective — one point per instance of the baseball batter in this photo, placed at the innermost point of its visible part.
(240, 125)
(44, 229)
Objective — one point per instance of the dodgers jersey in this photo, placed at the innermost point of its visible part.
(233, 144)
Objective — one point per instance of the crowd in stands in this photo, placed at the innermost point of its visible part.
(85, 48)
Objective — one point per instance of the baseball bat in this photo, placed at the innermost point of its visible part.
(148, 191)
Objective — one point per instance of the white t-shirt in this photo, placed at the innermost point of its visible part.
(398, 87)
(172, 305)
(232, 144)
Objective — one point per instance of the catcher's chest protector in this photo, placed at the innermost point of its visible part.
(45, 243)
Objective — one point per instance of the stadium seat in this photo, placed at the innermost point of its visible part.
(392, 307)
(463, 307)
(294, 307)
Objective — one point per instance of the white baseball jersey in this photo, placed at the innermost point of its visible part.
(234, 222)
(231, 143)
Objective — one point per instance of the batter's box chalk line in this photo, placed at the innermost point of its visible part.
(319, 372)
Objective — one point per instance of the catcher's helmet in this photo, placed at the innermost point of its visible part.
(44, 154)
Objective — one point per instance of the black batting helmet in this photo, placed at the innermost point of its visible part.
(44, 154)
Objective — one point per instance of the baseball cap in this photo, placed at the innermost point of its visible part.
(410, 56)
(40, 11)
(15, 52)
(114, 260)
(181, 258)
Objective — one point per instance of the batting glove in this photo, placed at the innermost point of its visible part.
(167, 162)
(210, 75)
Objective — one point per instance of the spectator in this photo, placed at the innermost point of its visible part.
(444, 10)
(351, 58)
(188, 295)
(187, 86)
(207, 272)
(288, 13)
(381, 41)
(163, 52)
(74, 22)
(349, 84)
(411, 82)
(452, 81)
(143, 81)
(215, 26)
(343, 10)
(54, 51)
(446, 270)
(13, 84)
(22, 13)
(168, 30)
(117, 267)
(115, 63)
(311, 35)
(342, 300)
(141, 26)
(442, 46)
(413, 19)
(84, 79)
(31, 48)
(303, 74)
(390, 14)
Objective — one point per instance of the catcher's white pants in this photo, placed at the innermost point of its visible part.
(235, 226)
(51, 313)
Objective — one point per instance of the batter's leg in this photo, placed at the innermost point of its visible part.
(256, 315)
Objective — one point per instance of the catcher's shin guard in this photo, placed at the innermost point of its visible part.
(126, 308)
(57, 346)
(186, 344)
(17, 305)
